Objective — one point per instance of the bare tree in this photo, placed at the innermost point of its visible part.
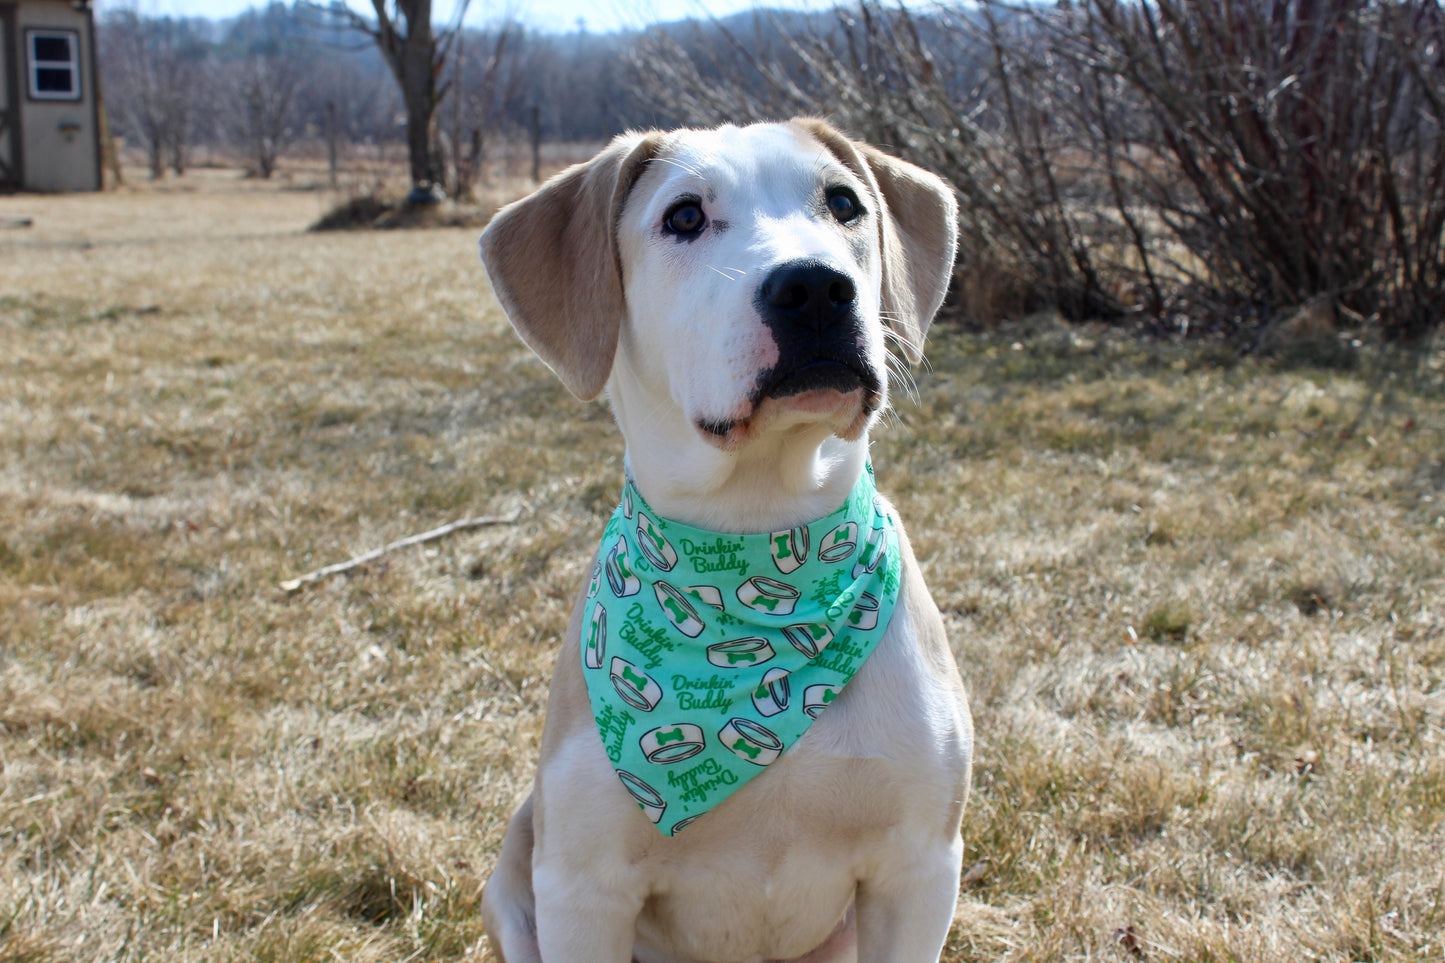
(156, 70)
(344, 101)
(488, 70)
(417, 53)
(266, 63)
(262, 93)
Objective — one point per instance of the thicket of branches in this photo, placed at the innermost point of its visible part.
(1175, 162)
(257, 85)
(280, 76)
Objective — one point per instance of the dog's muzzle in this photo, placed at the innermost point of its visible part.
(811, 308)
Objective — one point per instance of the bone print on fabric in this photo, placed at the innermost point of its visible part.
(707, 655)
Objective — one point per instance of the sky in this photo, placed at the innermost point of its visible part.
(560, 15)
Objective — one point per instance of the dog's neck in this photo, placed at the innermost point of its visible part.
(775, 482)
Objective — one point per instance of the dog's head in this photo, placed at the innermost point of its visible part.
(741, 279)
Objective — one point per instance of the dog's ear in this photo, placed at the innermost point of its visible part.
(920, 240)
(553, 262)
(919, 232)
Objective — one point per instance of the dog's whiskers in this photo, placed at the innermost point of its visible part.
(732, 274)
(678, 164)
(899, 370)
(895, 341)
(902, 377)
(655, 416)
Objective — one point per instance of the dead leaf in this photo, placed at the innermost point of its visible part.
(1128, 938)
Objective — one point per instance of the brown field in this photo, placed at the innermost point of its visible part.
(1198, 601)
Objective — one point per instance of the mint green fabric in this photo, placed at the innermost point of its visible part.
(707, 655)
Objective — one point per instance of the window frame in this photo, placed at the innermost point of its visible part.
(33, 65)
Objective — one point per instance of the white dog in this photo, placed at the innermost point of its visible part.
(731, 290)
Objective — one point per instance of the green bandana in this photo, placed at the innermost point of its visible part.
(707, 655)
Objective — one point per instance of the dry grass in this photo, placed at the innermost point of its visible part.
(1198, 601)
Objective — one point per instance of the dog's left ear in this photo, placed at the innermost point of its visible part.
(919, 232)
(552, 258)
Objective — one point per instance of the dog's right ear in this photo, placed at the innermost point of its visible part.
(553, 262)
(918, 232)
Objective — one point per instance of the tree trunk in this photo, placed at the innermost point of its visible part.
(158, 158)
(417, 61)
(536, 144)
(419, 110)
(469, 164)
(176, 145)
(332, 135)
(419, 94)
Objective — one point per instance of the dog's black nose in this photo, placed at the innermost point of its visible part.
(809, 293)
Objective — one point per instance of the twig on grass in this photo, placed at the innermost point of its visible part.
(480, 521)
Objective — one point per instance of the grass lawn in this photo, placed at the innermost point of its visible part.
(1198, 601)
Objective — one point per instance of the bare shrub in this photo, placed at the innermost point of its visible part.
(372, 210)
(875, 72)
(354, 213)
(1182, 161)
(1303, 140)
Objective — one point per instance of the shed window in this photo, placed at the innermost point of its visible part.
(54, 64)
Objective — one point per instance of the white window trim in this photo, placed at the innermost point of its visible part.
(33, 66)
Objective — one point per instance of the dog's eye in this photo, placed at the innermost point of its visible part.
(843, 205)
(685, 218)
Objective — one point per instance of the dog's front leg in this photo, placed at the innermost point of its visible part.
(905, 910)
(583, 920)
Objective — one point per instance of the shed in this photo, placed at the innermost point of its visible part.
(49, 104)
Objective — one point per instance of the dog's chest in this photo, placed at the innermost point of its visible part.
(763, 884)
(771, 872)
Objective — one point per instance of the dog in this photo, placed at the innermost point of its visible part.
(731, 291)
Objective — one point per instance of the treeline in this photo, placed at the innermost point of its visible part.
(1225, 163)
(276, 76)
